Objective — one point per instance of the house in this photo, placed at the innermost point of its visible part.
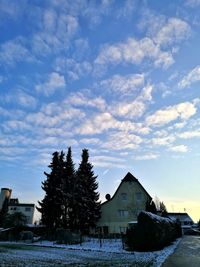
(183, 217)
(15, 206)
(118, 212)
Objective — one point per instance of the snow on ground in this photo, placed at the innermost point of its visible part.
(90, 251)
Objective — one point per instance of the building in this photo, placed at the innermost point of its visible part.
(5, 193)
(15, 206)
(183, 218)
(123, 208)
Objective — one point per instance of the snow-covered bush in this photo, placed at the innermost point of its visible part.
(152, 232)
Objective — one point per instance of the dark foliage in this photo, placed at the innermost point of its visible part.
(163, 209)
(51, 205)
(4, 212)
(68, 188)
(16, 219)
(71, 198)
(151, 207)
(152, 232)
(87, 206)
(198, 223)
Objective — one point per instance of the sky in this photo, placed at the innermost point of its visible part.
(120, 78)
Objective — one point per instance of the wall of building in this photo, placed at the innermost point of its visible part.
(123, 208)
(26, 209)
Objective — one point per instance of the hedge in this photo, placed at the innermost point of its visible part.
(152, 232)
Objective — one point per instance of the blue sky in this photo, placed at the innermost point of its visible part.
(120, 78)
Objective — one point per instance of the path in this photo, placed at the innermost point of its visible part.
(186, 254)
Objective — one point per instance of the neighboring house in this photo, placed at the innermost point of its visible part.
(123, 208)
(183, 217)
(15, 206)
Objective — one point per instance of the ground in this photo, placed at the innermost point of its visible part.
(89, 254)
(186, 254)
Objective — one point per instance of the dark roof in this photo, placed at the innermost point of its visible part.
(127, 178)
(182, 215)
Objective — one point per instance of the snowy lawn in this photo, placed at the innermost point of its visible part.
(89, 254)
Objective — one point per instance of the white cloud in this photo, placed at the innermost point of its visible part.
(55, 82)
(191, 77)
(181, 111)
(72, 68)
(41, 119)
(105, 121)
(164, 141)
(98, 124)
(146, 157)
(90, 141)
(174, 31)
(57, 29)
(123, 84)
(21, 98)
(193, 3)
(179, 149)
(79, 100)
(134, 51)
(14, 51)
(135, 108)
(189, 134)
(122, 140)
(128, 110)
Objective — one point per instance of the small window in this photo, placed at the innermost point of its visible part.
(122, 229)
(123, 213)
(27, 209)
(124, 196)
(138, 197)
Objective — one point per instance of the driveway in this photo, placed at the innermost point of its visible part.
(186, 254)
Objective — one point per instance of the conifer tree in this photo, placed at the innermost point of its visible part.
(51, 205)
(163, 209)
(151, 207)
(68, 187)
(87, 204)
(4, 211)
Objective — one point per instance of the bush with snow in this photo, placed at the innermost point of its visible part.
(152, 232)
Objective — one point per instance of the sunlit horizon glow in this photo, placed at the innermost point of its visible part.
(120, 78)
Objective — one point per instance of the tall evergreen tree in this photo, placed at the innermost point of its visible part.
(87, 204)
(51, 205)
(163, 209)
(4, 211)
(151, 207)
(68, 187)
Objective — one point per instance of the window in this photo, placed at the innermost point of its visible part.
(123, 213)
(138, 197)
(122, 229)
(123, 196)
(27, 209)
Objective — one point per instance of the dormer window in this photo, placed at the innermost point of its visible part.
(138, 197)
(124, 196)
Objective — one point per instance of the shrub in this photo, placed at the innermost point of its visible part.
(152, 232)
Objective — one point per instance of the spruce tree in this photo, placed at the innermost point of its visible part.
(51, 205)
(87, 204)
(4, 211)
(68, 187)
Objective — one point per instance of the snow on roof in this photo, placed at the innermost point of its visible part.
(182, 216)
